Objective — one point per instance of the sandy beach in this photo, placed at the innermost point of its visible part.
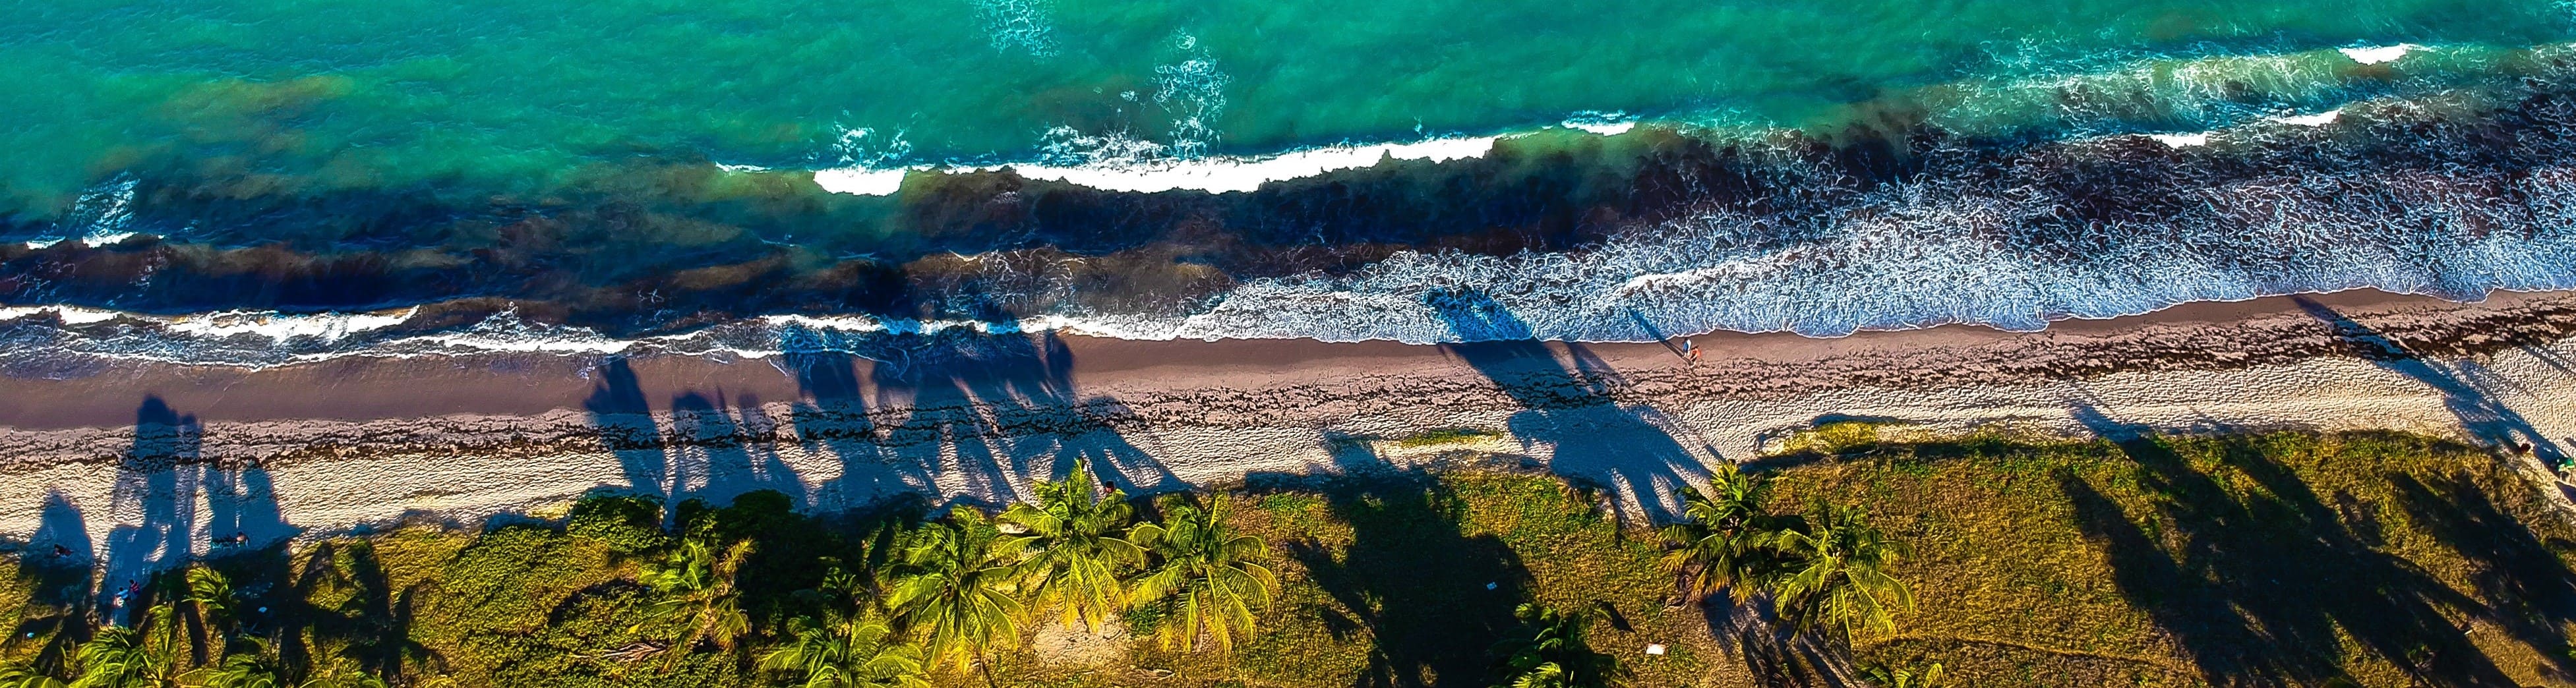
(163, 458)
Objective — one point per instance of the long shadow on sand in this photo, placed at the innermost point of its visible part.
(1566, 406)
(974, 416)
(161, 483)
(957, 416)
(2467, 388)
(717, 446)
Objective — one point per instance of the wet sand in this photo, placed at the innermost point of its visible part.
(152, 461)
(2216, 334)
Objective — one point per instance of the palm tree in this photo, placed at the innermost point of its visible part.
(208, 601)
(342, 673)
(240, 670)
(1836, 574)
(1549, 651)
(122, 657)
(1206, 572)
(1896, 677)
(1725, 536)
(19, 675)
(853, 655)
(1075, 552)
(697, 586)
(954, 585)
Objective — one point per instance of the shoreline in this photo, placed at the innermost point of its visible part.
(2192, 335)
(342, 445)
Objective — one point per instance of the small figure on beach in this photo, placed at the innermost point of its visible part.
(1690, 349)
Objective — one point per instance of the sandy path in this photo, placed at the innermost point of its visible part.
(324, 449)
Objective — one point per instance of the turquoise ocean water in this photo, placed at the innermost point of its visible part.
(519, 95)
(644, 168)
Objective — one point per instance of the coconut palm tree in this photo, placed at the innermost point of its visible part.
(1726, 535)
(122, 657)
(697, 587)
(19, 675)
(1549, 651)
(208, 605)
(242, 669)
(1836, 574)
(1075, 554)
(342, 673)
(1898, 677)
(953, 585)
(1206, 572)
(863, 654)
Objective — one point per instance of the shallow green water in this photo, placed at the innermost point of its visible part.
(520, 95)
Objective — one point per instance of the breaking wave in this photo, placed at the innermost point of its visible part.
(1632, 231)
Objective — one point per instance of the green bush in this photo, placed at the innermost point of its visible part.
(627, 524)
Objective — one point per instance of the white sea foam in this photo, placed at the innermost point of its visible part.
(1193, 91)
(1604, 129)
(1918, 252)
(2182, 140)
(73, 315)
(97, 239)
(329, 326)
(1224, 174)
(1018, 24)
(859, 181)
(223, 324)
(1156, 174)
(2379, 54)
(1603, 123)
(2314, 120)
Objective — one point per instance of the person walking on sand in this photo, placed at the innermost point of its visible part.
(1690, 348)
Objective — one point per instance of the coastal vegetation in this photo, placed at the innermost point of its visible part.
(2247, 559)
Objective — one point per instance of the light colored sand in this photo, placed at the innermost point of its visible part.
(1633, 419)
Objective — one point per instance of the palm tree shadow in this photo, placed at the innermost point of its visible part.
(1567, 406)
(969, 416)
(1775, 653)
(57, 567)
(624, 422)
(2467, 388)
(1431, 598)
(2262, 584)
(2531, 592)
(373, 622)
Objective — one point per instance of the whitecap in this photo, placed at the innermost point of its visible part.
(2315, 120)
(2182, 140)
(1228, 174)
(860, 181)
(2378, 54)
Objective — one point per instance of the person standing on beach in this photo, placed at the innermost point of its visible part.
(1690, 349)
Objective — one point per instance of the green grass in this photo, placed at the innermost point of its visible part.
(2278, 559)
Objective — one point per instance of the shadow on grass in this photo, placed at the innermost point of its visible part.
(2263, 581)
(2529, 591)
(1431, 598)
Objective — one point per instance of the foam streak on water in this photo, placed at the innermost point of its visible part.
(1938, 248)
